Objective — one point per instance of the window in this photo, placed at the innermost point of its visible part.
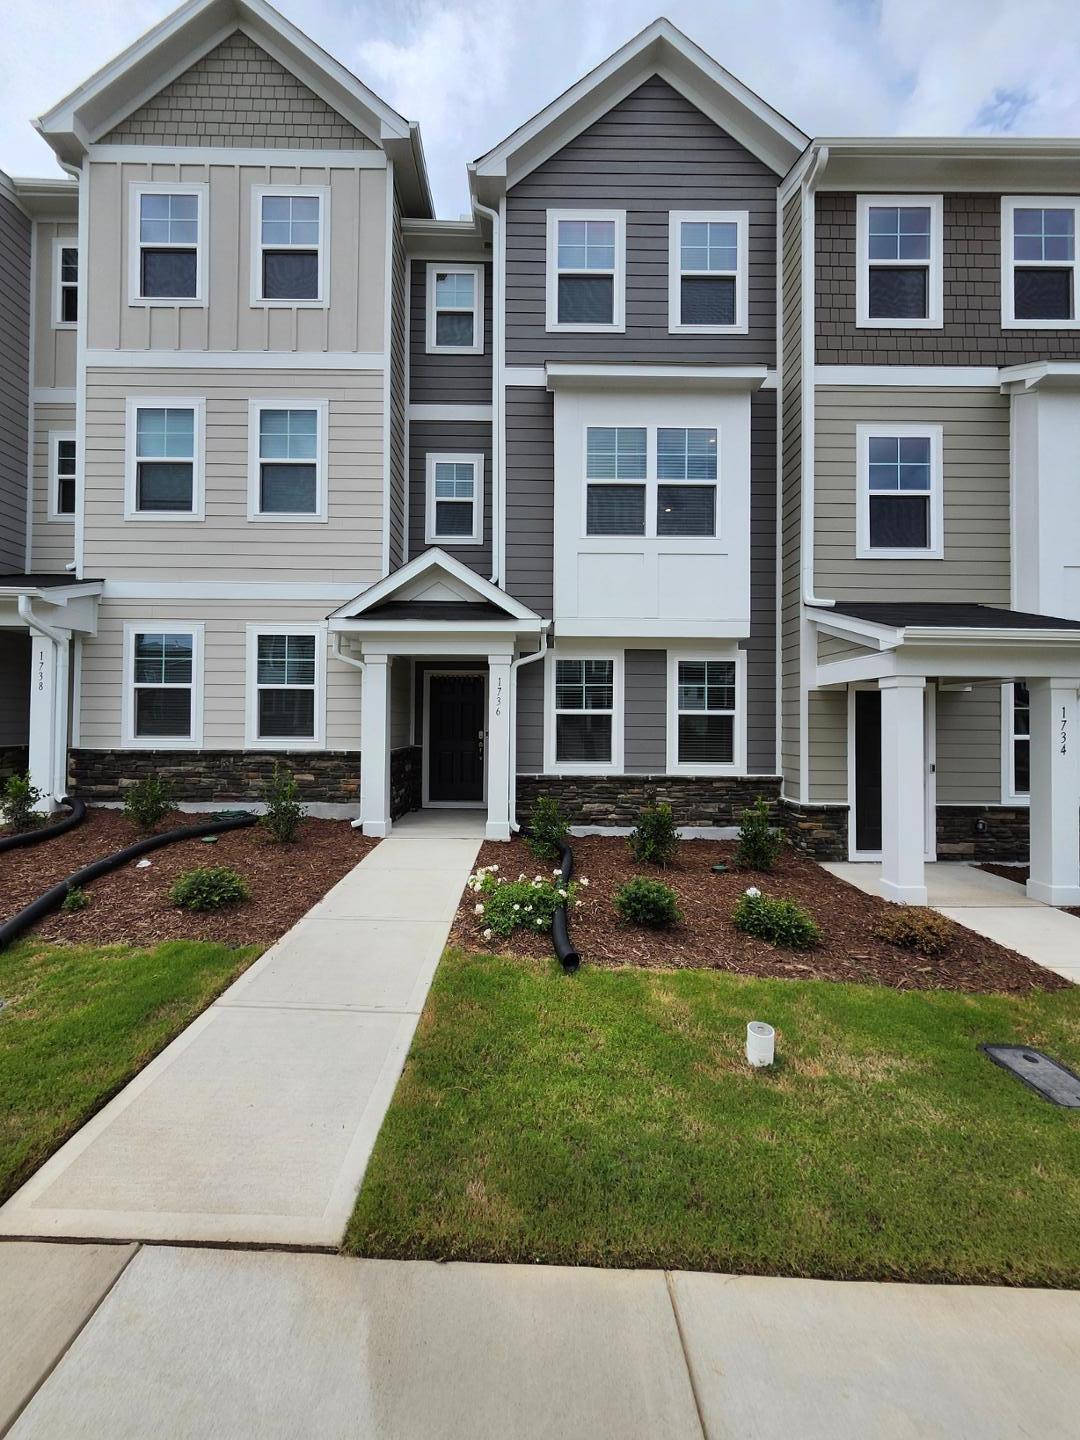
(585, 262)
(1039, 262)
(165, 447)
(455, 309)
(66, 284)
(613, 456)
(647, 481)
(455, 499)
(167, 244)
(1016, 715)
(285, 686)
(288, 461)
(899, 507)
(62, 475)
(287, 266)
(584, 712)
(163, 701)
(898, 282)
(704, 718)
(707, 272)
(687, 456)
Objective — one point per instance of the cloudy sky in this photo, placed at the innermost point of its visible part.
(471, 70)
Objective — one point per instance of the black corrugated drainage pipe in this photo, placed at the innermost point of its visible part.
(47, 832)
(560, 926)
(54, 897)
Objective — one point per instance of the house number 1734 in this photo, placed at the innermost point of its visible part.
(1064, 733)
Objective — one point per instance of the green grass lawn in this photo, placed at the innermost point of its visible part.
(79, 1021)
(609, 1118)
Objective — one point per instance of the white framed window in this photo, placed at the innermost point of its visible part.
(586, 268)
(65, 307)
(651, 480)
(1039, 260)
(706, 729)
(289, 246)
(1015, 743)
(899, 492)
(898, 265)
(584, 730)
(165, 458)
(167, 253)
(287, 460)
(286, 686)
(454, 512)
(63, 475)
(708, 268)
(455, 310)
(163, 683)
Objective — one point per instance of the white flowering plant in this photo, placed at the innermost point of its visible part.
(503, 906)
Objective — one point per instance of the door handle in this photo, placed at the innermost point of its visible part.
(480, 734)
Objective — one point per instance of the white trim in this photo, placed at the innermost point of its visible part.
(476, 535)
(314, 192)
(988, 376)
(934, 318)
(54, 395)
(60, 243)
(129, 739)
(1009, 793)
(426, 801)
(236, 359)
(615, 766)
(80, 373)
(935, 550)
(676, 220)
(525, 375)
(322, 423)
(302, 593)
(737, 765)
(133, 405)
(453, 267)
(252, 739)
(603, 376)
(388, 378)
(436, 560)
(54, 513)
(650, 482)
(618, 273)
(929, 773)
(406, 438)
(422, 414)
(135, 191)
(31, 418)
(1009, 204)
(217, 155)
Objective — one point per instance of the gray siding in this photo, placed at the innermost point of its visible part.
(761, 647)
(400, 702)
(446, 379)
(791, 518)
(969, 746)
(14, 381)
(530, 719)
(14, 688)
(971, 281)
(530, 496)
(645, 712)
(398, 397)
(52, 542)
(652, 153)
(448, 435)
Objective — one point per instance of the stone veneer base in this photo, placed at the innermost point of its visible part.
(820, 831)
(328, 776)
(982, 832)
(616, 799)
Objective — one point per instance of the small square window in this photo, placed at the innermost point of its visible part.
(454, 499)
(455, 309)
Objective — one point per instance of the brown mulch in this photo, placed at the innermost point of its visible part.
(707, 938)
(131, 905)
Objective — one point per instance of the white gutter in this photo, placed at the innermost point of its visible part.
(498, 386)
(807, 365)
(339, 654)
(515, 666)
(26, 613)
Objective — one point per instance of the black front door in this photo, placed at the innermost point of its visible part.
(867, 769)
(456, 739)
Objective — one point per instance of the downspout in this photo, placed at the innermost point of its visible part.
(498, 416)
(26, 613)
(339, 654)
(807, 366)
(60, 685)
(515, 666)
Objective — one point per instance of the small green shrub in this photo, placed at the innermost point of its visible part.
(780, 922)
(909, 927)
(648, 903)
(148, 802)
(759, 844)
(503, 906)
(547, 828)
(655, 841)
(284, 811)
(17, 801)
(75, 899)
(208, 888)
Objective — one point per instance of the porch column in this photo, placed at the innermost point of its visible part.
(498, 748)
(375, 745)
(48, 718)
(1055, 792)
(903, 804)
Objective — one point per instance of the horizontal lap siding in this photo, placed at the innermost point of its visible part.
(828, 746)
(14, 374)
(397, 342)
(52, 541)
(530, 718)
(791, 518)
(969, 746)
(530, 496)
(761, 647)
(400, 703)
(645, 718)
(469, 437)
(446, 379)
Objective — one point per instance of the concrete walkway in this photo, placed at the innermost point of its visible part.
(263, 1345)
(992, 906)
(255, 1125)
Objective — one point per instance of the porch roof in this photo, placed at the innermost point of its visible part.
(947, 615)
(36, 584)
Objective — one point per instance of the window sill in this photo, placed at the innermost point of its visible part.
(867, 553)
(257, 304)
(554, 328)
(65, 325)
(453, 350)
(681, 329)
(147, 302)
(285, 517)
(898, 323)
(255, 743)
(171, 517)
(60, 519)
(1040, 324)
(457, 542)
(707, 771)
(159, 742)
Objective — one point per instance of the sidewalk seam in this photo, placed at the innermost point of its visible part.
(686, 1354)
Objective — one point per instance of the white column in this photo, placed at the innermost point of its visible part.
(498, 748)
(1055, 792)
(375, 746)
(48, 719)
(903, 803)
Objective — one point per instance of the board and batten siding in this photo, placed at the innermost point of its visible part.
(791, 517)
(224, 669)
(14, 688)
(227, 545)
(446, 379)
(652, 153)
(449, 436)
(15, 243)
(530, 496)
(975, 462)
(54, 346)
(52, 542)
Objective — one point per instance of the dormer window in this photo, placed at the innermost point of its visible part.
(288, 260)
(586, 258)
(898, 282)
(455, 310)
(1039, 262)
(167, 247)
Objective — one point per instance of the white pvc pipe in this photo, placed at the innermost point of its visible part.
(760, 1044)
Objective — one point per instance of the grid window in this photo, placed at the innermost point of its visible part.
(900, 479)
(66, 465)
(1021, 739)
(584, 711)
(290, 231)
(67, 280)
(687, 455)
(615, 454)
(705, 711)
(455, 499)
(708, 273)
(164, 460)
(163, 682)
(455, 321)
(285, 679)
(584, 270)
(1044, 255)
(651, 482)
(899, 275)
(288, 462)
(168, 245)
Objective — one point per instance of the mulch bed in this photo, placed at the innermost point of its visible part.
(707, 939)
(131, 905)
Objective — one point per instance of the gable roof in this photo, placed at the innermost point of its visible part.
(436, 579)
(660, 49)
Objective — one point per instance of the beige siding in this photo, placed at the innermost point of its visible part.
(52, 541)
(828, 747)
(831, 648)
(975, 427)
(54, 348)
(226, 545)
(224, 671)
(969, 746)
(791, 516)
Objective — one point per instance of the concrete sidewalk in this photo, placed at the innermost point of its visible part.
(265, 1345)
(255, 1125)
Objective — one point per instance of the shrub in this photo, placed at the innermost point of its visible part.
(547, 828)
(75, 899)
(911, 928)
(759, 844)
(780, 922)
(503, 906)
(648, 903)
(148, 801)
(17, 801)
(655, 841)
(208, 888)
(283, 809)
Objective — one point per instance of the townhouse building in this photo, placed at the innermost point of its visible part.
(702, 459)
